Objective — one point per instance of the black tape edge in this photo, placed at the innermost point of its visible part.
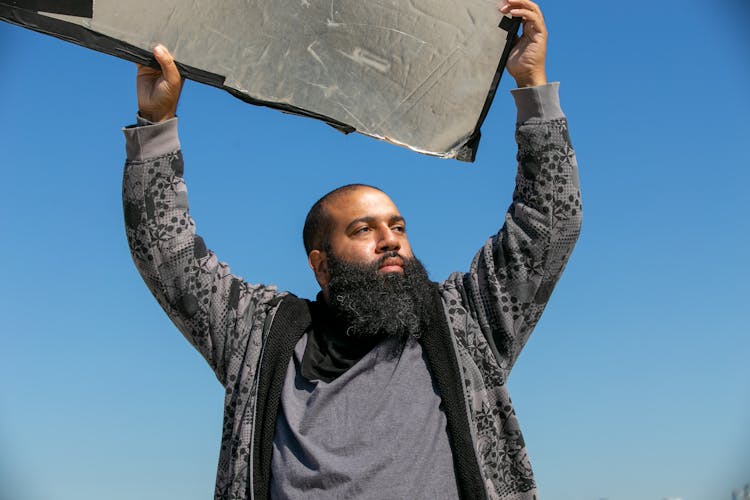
(468, 151)
(78, 8)
(85, 37)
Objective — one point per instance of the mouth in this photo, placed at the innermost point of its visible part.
(391, 265)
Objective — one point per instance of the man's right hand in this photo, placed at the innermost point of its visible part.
(159, 90)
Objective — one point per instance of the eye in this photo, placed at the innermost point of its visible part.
(399, 228)
(362, 230)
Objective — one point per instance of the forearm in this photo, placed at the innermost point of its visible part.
(155, 207)
(544, 219)
(547, 199)
(547, 178)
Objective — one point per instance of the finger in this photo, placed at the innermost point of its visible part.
(532, 21)
(523, 4)
(529, 11)
(142, 69)
(505, 6)
(167, 65)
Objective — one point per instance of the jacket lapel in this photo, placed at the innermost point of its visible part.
(446, 374)
(292, 319)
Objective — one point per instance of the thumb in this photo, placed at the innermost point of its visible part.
(168, 67)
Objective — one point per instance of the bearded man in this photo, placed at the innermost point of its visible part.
(387, 386)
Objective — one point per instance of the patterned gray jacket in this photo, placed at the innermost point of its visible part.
(490, 310)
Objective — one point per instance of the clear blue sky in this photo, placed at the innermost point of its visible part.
(634, 386)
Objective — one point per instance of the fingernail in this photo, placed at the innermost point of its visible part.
(159, 50)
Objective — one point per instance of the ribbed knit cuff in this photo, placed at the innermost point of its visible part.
(541, 102)
(149, 140)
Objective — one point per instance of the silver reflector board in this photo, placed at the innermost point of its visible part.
(417, 73)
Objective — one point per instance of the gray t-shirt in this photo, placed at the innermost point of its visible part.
(375, 432)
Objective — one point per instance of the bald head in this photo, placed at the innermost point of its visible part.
(319, 223)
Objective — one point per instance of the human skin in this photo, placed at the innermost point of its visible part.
(159, 90)
(526, 60)
(366, 226)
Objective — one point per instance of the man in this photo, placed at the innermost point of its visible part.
(388, 385)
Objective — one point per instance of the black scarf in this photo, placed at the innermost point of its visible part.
(330, 351)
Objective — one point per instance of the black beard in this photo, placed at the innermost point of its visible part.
(369, 303)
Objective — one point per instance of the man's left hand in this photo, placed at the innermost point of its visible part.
(526, 59)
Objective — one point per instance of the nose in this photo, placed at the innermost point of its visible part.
(389, 241)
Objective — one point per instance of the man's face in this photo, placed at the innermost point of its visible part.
(366, 227)
(367, 272)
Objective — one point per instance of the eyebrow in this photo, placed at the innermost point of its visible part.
(369, 220)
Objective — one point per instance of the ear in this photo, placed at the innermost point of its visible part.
(318, 261)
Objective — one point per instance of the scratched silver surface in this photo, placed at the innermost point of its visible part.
(413, 72)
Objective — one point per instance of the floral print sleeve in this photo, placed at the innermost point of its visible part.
(218, 312)
(513, 274)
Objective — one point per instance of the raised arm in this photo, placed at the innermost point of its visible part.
(221, 315)
(512, 276)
